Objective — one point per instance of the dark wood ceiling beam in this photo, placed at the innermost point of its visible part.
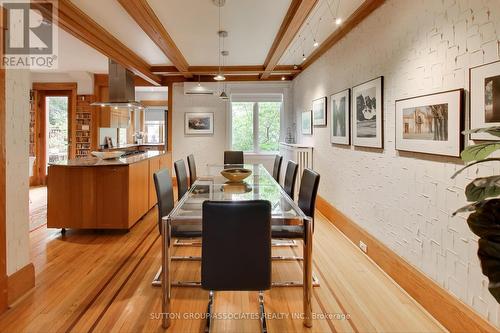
(229, 78)
(77, 23)
(200, 70)
(356, 18)
(146, 18)
(295, 17)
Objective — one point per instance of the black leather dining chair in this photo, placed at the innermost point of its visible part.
(277, 168)
(165, 195)
(182, 181)
(192, 169)
(236, 249)
(233, 157)
(290, 179)
(307, 201)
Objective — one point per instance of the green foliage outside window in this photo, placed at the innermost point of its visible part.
(268, 131)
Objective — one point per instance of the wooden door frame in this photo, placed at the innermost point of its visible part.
(52, 89)
(3, 185)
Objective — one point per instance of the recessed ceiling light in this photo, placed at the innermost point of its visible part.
(283, 78)
(315, 43)
(338, 21)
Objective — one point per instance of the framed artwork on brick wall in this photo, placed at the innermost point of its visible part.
(306, 122)
(484, 88)
(340, 107)
(319, 111)
(367, 113)
(431, 123)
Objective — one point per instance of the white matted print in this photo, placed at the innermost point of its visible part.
(319, 111)
(431, 123)
(306, 122)
(367, 112)
(484, 99)
(340, 106)
(199, 123)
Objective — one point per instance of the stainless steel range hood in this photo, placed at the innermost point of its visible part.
(121, 88)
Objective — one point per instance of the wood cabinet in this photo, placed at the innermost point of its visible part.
(114, 118)
(102, 197)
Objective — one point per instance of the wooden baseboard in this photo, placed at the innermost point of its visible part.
(447, 309)
(20, 282)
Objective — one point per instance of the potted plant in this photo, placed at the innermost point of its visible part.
(483, 193)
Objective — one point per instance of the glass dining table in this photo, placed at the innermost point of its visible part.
(260, 185)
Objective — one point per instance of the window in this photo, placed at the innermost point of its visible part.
(154, 131)
(255, 125)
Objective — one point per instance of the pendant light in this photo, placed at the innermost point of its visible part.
(222, 34)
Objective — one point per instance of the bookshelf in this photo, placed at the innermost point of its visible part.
(83, 125)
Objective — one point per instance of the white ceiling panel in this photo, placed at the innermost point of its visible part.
(111, 16)
(193, 25)
(75, 55)
(319, 25)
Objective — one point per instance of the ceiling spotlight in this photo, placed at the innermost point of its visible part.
(219, 77)
(304, 57)
(315, 43)
(338, 21)
(283, 78)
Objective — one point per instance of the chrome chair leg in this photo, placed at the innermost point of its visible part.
(315, 283)
(157, 279)
(283, 243)
(187, 242)
(185, 258)
(209, 311)
(263, 323)
(157, 282)
(287, 258)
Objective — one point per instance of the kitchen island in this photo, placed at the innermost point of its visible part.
(91, 193)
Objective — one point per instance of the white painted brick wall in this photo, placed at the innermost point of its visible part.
(17, 87)
(405, 199)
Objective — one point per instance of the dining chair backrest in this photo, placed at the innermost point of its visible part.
(164, 193)
(290, 178)
(233, 157)
(236, 245)
(277, 168)
(308, 190)
(192, 169)
(182, 182)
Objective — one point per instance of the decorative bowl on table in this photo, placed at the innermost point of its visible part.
(108, 155)
(236, 175)
(236, 188)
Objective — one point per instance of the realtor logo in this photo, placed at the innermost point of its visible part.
(30, 35)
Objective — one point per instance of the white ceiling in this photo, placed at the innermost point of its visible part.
(318, 26)
(75, 55)
(193, 24)
(111, 16)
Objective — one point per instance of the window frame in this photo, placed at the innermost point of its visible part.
(256, 147)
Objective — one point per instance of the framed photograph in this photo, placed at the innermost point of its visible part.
(431, 124)
(307, 122)
(199, 123)
(319, 112)
(367, 112)
(484, 88)
(340, 115)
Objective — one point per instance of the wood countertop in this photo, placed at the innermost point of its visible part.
(94, 161)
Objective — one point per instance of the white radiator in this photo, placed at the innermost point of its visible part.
(300, 154)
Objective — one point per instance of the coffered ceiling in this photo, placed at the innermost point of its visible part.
(164, 40)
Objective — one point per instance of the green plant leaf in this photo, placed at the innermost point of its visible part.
(471, 164)
(468, 208)
(479, 152)
(482, 188)
(494, 130)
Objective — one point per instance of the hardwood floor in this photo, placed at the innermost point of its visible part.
(101, 282)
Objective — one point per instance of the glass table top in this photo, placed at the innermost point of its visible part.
(260, 185)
